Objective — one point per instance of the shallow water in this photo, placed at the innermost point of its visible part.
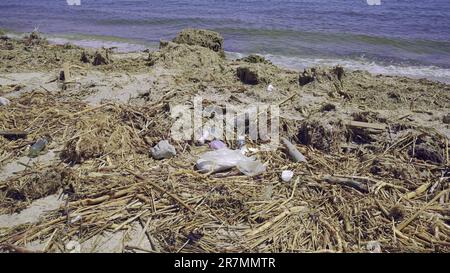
(406, 37)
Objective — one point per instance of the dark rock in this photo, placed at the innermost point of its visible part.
(328, 107)
(446, 119)
(247, 75)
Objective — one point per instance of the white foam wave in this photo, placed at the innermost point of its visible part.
(429, 72)
(121, 46)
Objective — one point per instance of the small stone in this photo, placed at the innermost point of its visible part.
(446, 119)
(163, 150)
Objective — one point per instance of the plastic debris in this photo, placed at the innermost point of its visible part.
(293, 152)
(163, 150)
(203, 138)
(270, 88)
(75, 219)
(374, 247)
(241, 143)
(217, 144)
(4, 101)
(225, 159)
(250, 167)
(37, 147)
(286, 176)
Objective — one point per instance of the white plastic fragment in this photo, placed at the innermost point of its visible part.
(225, 159)
(250, 167)
(75, 219)
(374, 247)
(203, 138)
(217, 144)
(287, 175)
(163, 150)
(4, 101)
(270, 88)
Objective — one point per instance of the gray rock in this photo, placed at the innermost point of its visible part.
(163, 150)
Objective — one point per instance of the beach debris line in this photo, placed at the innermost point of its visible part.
(255, 59)
(163, 150)
(203, 38)
(369, 144)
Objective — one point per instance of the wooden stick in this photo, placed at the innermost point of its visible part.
(14, 134)
(406, 222)
(277, 218)
(66, 70)
(293, 151)
(347, 182)
(359, 124)
(418, 191)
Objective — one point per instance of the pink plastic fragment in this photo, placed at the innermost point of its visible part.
(217, 144)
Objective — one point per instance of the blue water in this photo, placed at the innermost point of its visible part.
(403, 36)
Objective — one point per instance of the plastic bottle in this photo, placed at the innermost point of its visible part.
(37, 147)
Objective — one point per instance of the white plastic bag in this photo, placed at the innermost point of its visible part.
(225, 159)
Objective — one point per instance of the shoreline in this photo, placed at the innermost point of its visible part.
(298, 63)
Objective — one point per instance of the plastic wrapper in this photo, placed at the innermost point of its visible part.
(225, 159)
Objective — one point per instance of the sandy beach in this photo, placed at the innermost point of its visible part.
(375, 178)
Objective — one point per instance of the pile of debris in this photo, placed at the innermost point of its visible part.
(343, 179)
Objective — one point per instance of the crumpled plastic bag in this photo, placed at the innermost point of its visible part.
(225, 159)
(251, 167)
